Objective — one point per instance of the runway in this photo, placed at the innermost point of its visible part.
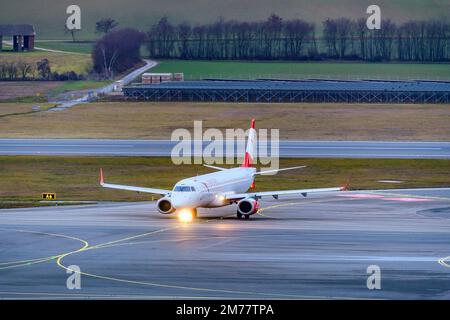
(293, 149)
(317, 247)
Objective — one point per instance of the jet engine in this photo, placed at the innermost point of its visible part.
(247, 206)
(165, 206)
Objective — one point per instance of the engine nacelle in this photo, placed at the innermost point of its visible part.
(165, 206)
(247, 206)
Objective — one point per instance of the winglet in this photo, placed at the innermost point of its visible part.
(101, 177)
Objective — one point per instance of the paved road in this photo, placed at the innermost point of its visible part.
(300, 149)
(106, 89)
(318, 247)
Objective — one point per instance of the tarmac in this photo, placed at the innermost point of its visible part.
(319, 247)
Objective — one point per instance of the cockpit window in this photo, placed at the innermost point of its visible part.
(184, 189)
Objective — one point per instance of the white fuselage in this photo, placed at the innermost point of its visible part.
(209, 190)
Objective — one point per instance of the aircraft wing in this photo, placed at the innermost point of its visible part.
(131, 188)
(275, 194)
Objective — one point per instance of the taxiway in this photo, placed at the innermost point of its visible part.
(316, 247)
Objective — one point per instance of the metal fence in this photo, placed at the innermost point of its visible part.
(301, 91)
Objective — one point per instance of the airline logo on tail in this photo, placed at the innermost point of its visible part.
(250, 151)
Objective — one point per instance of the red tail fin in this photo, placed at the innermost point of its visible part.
(250, 151)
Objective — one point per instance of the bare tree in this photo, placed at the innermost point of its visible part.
(72, 32)
(44, 69)
(184, 31)
(275, 38)
(105, 25)
(117, 51)
(109, 63)
(11, 70)
(24, 69)
(3, 71)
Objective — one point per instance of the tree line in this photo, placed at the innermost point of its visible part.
(41, 70)
(277, 39)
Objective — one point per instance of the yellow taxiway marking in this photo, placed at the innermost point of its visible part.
(86, 246)
(27, 262)
(154, 284)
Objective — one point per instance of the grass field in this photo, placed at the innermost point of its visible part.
(26, 90)
(67, 46)
(49, 16)
(67, 86)
(60, 62)
(41, 91)
(21, 109)
(73, 178)
(194, 70)
(141, 120)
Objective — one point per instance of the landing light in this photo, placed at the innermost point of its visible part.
(185, 216)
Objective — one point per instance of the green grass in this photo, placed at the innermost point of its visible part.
(68, 46)
(6, 47)
(67, 86)
(49, 15)
(60, 62)
(26, 99)
(36, 203)
(25, 178)
(194, 70)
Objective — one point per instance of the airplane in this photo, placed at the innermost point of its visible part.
(218, 189)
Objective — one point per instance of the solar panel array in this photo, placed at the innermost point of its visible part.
(305, 85)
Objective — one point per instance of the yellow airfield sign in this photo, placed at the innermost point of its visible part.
(49, 196)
